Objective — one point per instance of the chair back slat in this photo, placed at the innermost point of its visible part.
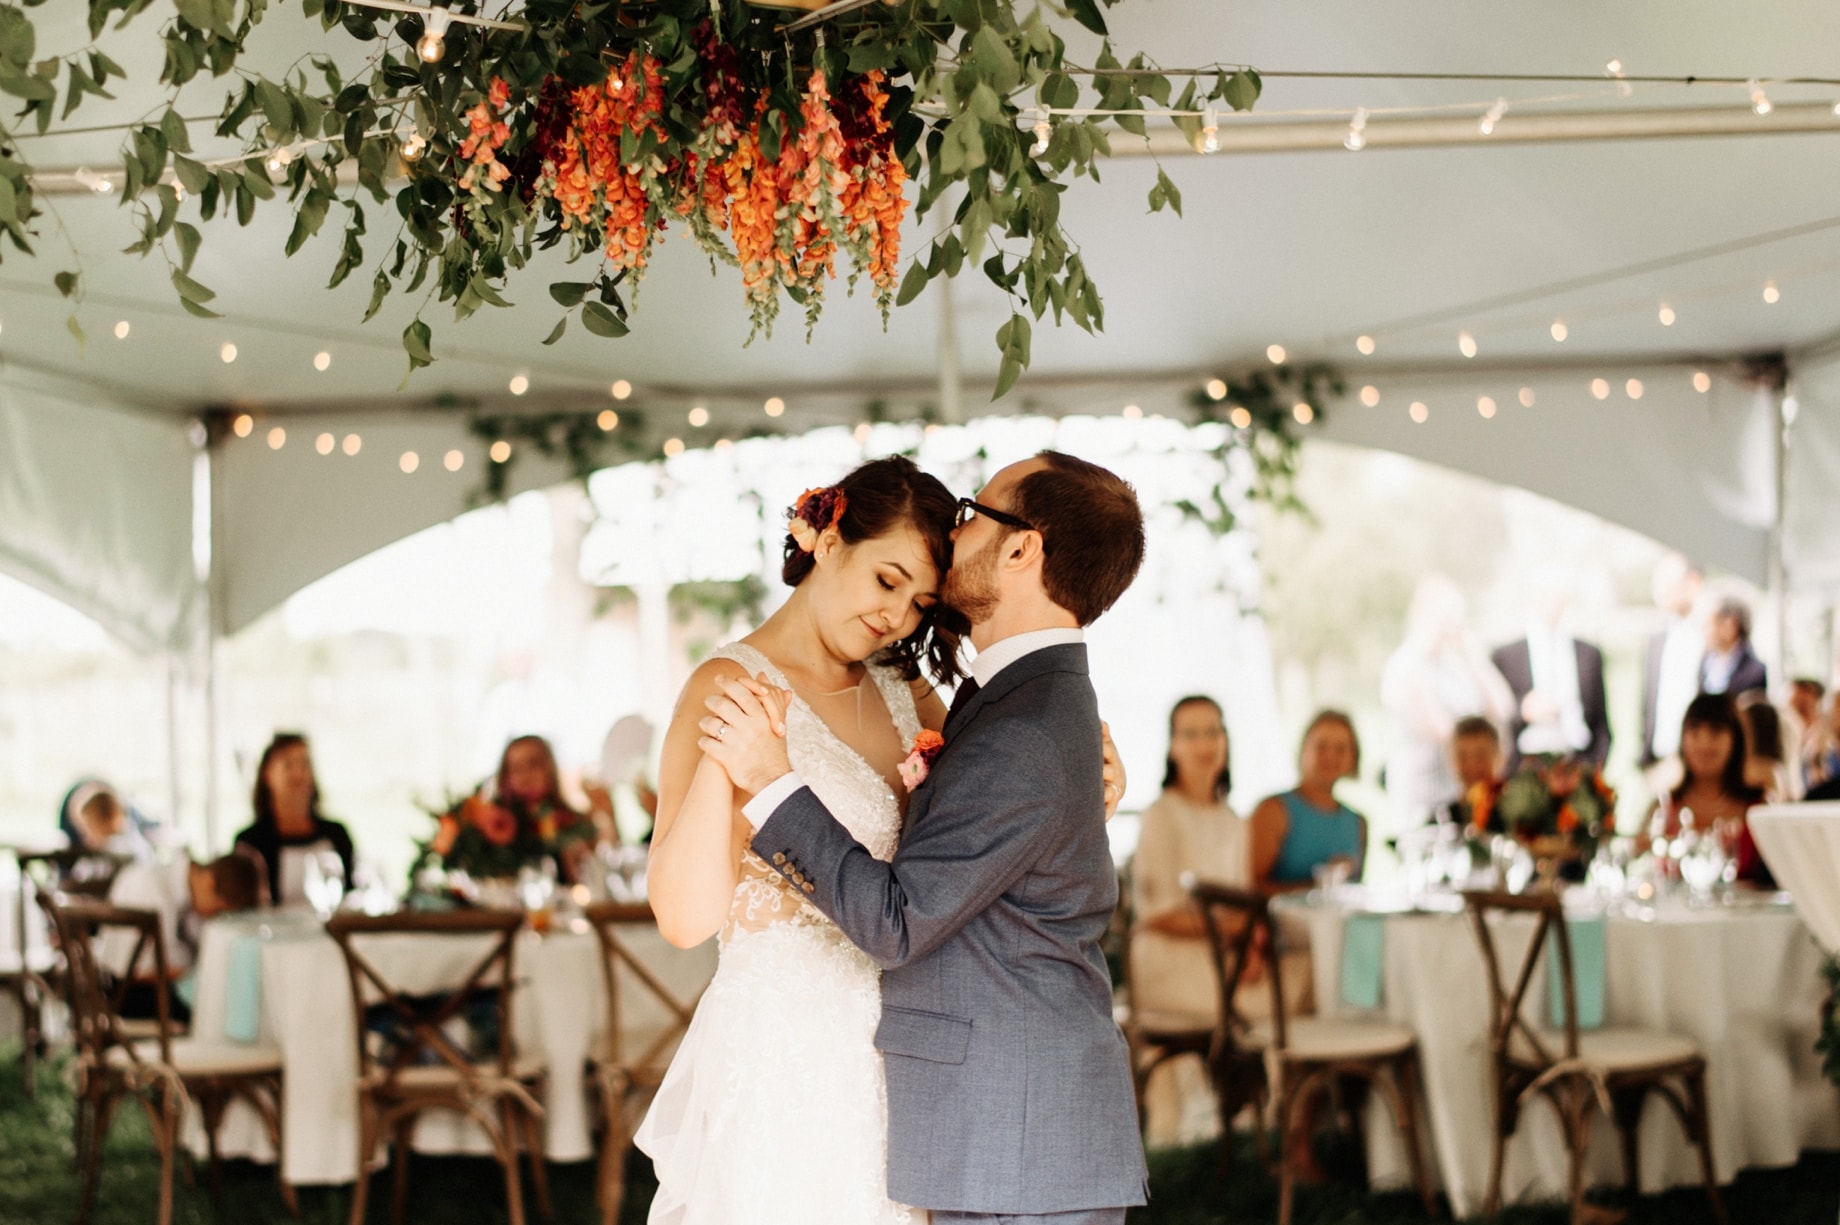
(421, 1023)
(612, 923)
(1238, 923)
(97, 992)
(1508, 994)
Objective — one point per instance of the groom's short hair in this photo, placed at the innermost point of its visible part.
(1092, 532)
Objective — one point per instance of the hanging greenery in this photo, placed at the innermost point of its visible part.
(461, 150)
(1267, 410)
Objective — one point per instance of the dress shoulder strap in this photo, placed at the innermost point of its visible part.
(753, 660)
(898, 696)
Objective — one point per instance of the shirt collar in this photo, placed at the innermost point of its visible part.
(1000, 655)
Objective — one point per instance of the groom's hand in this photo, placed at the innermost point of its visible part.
(744, 733)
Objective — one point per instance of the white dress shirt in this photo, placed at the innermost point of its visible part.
(1552, 659)
(1678, 682)
(984, 669)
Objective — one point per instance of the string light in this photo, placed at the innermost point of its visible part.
(1210, 130)
(607, 420)
(279, 160)
(1760, 101)
(409, 462)
(1493, 117)
(1043, 131)
(1364, 345)
(353, 444)
(862, 434)
(1466, 344)
(1418, 412)
(1275, 353)
(1303, 412)
(243, 424)
(121, 330)
(1486, 407)
(621, 389)
(325, 443)
(1560, 331)
(500, 452)
(519, 384)
(1702, 382)
(1633, 389)
(277, 438)
(322, 361)
(413, 146)
(1216, 390)
(698, 417)
(1370, 396)
(724, 444)
(1666, 315)
(774, 407)
(1132, 412)
(1356, 140)
(1771, 294)
(227, 352)
(1600, 388)
(453, 460)
(673, 446)
(432, 45)
(1614, 69)
(1526, 397)
(101, 184)
(1241, 418)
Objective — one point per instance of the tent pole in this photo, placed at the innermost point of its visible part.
(1782, 419)
(210, 571)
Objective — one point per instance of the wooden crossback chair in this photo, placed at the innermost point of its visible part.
(163, 1071)
(423, 1068)
(1153, 1038)
(29, 975)
(1615, 1069)
(627, 1078)
(1308, 1054)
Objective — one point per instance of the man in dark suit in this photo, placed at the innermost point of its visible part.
(1731, 665)
(1009, 1084)
(1558, 686)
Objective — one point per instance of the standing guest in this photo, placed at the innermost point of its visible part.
(1439, 674)
(1301, 830)
(1766, 762)
(1713, 787)
(1818, 752)
(1558, 687)
(529, 780)
(1475, 758)
(1731, 666)
(288, 827)
(1671, 675)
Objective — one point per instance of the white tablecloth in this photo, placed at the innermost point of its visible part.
(38, 949)
(1801, 843)
(560, 1008)
(1743, 983)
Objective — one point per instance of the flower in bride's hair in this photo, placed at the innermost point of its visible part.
(919, 763)
(815, 511)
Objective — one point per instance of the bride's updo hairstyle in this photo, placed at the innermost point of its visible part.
(880, 497)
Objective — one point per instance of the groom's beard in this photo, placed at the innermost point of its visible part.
(971, 584)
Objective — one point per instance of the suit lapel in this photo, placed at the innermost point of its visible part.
(1067, 657)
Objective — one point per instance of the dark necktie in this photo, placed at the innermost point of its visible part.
(963, 697)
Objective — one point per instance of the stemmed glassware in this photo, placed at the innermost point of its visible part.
(323, 881)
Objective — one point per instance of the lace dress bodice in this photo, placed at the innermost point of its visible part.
(857, 794)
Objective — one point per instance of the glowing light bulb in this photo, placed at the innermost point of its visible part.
(519, 384)
(413, 146)
(433, 43)
(1486, 407)
(1600, 388)
(1466, 344)
(243, 424)
(774, 407)
(1370, 396)
(621, 389)
(698, 417)
(409, 462)
(1771, 294)
(227, 352)
(1216, 390)
(121, 330)
(1356, 140)
(1702, 382)
(1241, 418)
(1210, 130)
(277, 438)
(353, 444)
(608, 419)
(453, 460)
(724, 444)
(500, 452)
(325, 443)
(322, 361)
(673, 446)
(1418, 412)
(1560, 331)
(1760, 101)
(1364, 345)
(1275, 353)
(1044, 131)
(1666, 315)
(1526, 397)
(1132, 412)
(1493, 117)
(1633, 389)
(1303, 413)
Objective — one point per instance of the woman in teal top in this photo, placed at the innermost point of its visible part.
(1295, 833)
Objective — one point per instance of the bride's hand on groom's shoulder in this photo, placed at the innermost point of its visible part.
(745, 731)
(1113, 772)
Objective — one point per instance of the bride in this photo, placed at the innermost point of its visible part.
(774, 1109)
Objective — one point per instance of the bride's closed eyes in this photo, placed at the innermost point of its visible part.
(922, 604)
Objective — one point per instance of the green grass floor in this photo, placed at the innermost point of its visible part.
(38, 1185)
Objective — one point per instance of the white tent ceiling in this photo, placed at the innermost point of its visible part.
(1305, 250)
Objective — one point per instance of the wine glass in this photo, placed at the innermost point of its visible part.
(1702, 867)
(323, 881)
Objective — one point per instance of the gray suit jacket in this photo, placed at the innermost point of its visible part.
(1009, 1085)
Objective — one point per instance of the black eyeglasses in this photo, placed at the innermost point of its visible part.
(969, 509)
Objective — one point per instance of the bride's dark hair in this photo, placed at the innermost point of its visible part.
(883, 496)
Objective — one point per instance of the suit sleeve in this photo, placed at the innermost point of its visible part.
(983, 830)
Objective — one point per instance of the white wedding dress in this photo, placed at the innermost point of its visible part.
(774, 1111)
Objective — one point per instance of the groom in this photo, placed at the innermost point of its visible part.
(1009, 1085)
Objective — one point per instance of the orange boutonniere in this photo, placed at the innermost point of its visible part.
(1481, 806)
(919, 763)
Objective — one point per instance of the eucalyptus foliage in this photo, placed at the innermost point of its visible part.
(964, 79)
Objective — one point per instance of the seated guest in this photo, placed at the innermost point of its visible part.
(94, 817)
(184, 894)
(1475, 758)
(288, 827)
(529, 781)
(1713, 786)
(1818, 752)
(1766, 762)
(1731, 666)
(1295, 833)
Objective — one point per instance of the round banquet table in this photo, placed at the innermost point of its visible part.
(1743, 982)
(305, 1010)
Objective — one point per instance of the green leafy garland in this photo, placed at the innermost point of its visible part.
(461, 153)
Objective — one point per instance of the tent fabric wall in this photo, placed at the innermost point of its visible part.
(1695, 471)
(1812, 545)
(96, 508)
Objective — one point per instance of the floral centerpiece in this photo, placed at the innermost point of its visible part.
(485, 837)
(1559, 807)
